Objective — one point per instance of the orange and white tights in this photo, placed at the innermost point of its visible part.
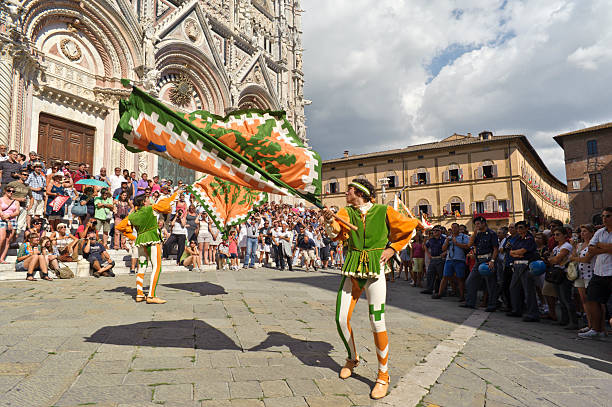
(148, 255)
(348, 294)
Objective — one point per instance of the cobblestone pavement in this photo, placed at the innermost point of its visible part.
(268, 338)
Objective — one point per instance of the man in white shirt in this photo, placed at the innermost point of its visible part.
(116, 179)
(600, 286)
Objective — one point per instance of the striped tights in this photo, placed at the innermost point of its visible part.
(348, 294)
(148, 255)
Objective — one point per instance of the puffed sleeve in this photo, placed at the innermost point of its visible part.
(400, 228)
(165, 205)
(125, 227)
(336, 230)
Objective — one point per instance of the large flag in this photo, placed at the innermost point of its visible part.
(227, 204)
(255, 149)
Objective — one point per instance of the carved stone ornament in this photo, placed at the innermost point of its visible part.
(182, 91)
(70, 49)
(192, 30)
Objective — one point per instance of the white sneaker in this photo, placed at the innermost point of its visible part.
(591, 334)
(583, 330)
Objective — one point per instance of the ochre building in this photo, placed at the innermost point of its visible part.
(62, 62)
(588, 167)
(500, 177)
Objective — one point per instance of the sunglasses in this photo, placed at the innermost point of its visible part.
(606, 216)
(61, 227)
(10, 190)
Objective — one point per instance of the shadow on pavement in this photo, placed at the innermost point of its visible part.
(402, 295)
(202, 288)
(600, 365)
(310, 353)
(186, 333)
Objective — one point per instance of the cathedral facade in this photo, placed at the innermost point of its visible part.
(62, 61)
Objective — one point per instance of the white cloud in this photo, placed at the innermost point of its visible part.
(532, 67)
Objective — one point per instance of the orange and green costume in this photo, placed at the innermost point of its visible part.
(148, 240)
(362, 271)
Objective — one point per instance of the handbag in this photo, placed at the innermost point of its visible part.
(572, 271)
(555, 275)
(78, 209)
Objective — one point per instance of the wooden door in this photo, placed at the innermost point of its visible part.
(60, 140)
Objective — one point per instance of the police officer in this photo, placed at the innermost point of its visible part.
(506, 246)
(436, 265)
(524, 251)
(485, 244)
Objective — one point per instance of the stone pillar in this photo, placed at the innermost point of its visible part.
(6, 93)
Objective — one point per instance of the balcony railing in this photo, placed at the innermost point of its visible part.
(493, 215)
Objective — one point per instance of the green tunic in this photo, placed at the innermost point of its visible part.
(145, 223)
(366, 244)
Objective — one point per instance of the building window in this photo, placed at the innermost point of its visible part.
(454, 207)
(423, 207)
(422, 178)
(420, 157)
(595, 182)
(393, 181)
(390, 161)
(333, 186)
(454, 175)
(333, 168)
(360, 165)
(592, 147)
(451, 153)
(502, 206)
(486, 170)
(480, 207)
(576, 184)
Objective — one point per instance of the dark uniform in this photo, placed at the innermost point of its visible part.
(505, 277)
(485, 243)
(436, 265)
(523, 287)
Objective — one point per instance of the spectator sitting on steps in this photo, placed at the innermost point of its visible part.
(97, 256)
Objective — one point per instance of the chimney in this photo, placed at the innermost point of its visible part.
(346, 153)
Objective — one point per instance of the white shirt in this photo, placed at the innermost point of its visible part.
(179, 229)
(115, 182)
(557, 249)
(603, 262)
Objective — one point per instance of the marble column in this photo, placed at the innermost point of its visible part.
(6, 93)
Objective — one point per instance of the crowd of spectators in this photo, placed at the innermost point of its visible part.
(551, 273)
(55, 220)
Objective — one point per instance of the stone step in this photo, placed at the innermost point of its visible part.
(11, 275)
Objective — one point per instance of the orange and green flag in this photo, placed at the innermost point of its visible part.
(226, 203)
(255, 149)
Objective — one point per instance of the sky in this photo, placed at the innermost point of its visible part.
(390, 73)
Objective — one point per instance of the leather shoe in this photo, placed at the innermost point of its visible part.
(514, 314)
(530, 319)
(467, 306)
(436, 296)
(380, 389)
(426, 292)
(347, 370)
(155, 300)
(490, 309)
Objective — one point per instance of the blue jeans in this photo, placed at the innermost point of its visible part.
(251, 248)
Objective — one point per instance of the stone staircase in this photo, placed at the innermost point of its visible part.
(81, 268)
